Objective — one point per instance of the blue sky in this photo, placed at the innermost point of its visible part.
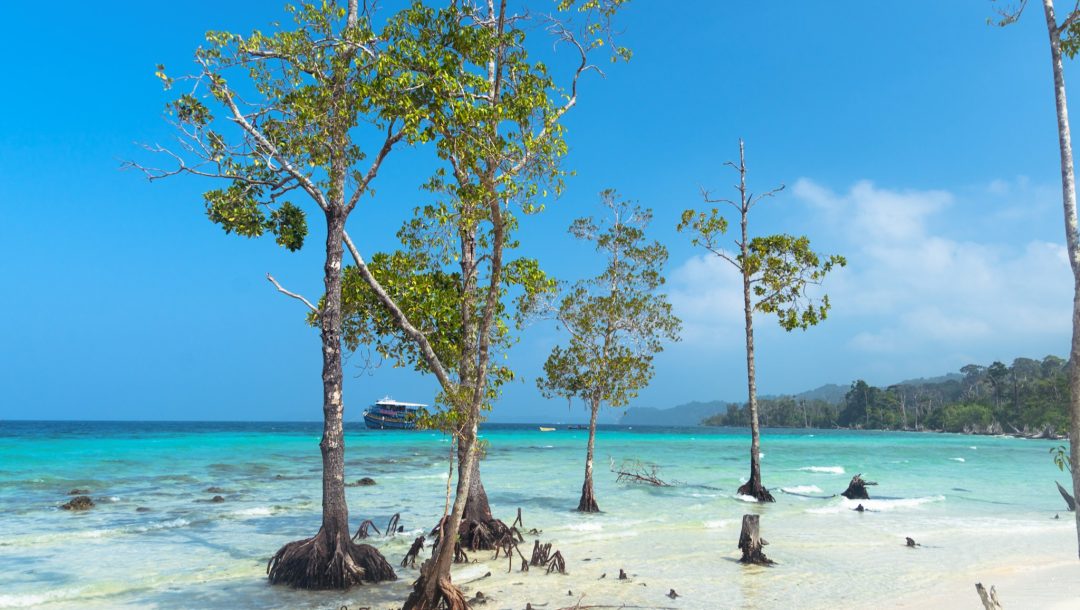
(914, 139)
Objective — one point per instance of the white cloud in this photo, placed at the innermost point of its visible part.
(910, 287)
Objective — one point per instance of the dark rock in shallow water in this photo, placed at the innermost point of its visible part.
(79, 503)
(214, 490)
(217, 499)
(364, 482)
(142, 509)
(78, 492)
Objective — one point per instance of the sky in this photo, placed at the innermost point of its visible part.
(912, 138)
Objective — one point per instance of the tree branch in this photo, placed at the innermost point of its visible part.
(291, 294)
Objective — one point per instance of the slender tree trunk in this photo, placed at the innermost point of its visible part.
(477, 507)
(434, 588)
(587, 504)
(335, 511)
(1072, 239)
(753, 487)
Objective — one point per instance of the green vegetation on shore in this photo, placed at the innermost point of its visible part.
(1028, 396)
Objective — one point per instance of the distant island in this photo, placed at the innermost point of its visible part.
(1028, 397)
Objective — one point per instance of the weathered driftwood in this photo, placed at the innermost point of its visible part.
(1069, 500)
(414, 551)
(856, 489)
(636, 471)
(750, 542)
(989, 600)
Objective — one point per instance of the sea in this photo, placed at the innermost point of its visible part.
(974, 504)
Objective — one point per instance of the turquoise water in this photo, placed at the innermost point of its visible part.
(975, 503)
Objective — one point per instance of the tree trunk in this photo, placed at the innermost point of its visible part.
(1072, 240)
(330, 560)
(750, 542)
(434, 589)
(753, 486)
(477, 507)
(587, 504)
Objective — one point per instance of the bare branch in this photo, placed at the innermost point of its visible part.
(392, 138)
(291, 294)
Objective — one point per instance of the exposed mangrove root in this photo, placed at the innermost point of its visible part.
(556, 564)
(481, 535)
(989, 600)
(447, 596)
(540, 554)
(755, 490)
(587, 504)
(327, 562)
(636, 471)
(362, 531)
(508, 546)
(751, 542)
(410, 557)
(518, 521)
(393, 526)
(856, 489)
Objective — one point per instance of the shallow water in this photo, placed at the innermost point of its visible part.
(974, 503)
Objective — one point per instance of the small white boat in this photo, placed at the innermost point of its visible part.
(544, 429)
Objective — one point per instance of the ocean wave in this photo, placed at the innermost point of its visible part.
(258, 511)
(718, 524)
(745, 498)
(876, 505)
(824, 469)
(802, 489)
(958, 459)
(585, 527)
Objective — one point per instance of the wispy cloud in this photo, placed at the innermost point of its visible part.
(912, 288)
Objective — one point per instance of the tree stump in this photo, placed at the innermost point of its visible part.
(750, 542)
(856, 489)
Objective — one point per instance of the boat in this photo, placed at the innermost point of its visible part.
(545, 429)
(577, 427)
(390, 414)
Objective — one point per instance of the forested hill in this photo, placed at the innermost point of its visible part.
(694, 413)
(1029, 396)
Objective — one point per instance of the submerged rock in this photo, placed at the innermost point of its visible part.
(214, 490)
(142, 509)
(79, 503)
(364, 482)
(217, 499)
(78, 492)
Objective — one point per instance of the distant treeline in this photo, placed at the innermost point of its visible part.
(1028, 396)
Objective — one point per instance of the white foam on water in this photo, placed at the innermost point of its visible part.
(585, 527)
(802, 489)
(973, 447)
(958, 459)
(846, 505)
(824, 469)
(718, 524)
(760, 455)
(258, 511)
(745, 498)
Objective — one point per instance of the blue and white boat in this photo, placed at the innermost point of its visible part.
(390, 414)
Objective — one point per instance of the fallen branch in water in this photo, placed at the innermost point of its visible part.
(636, 471)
